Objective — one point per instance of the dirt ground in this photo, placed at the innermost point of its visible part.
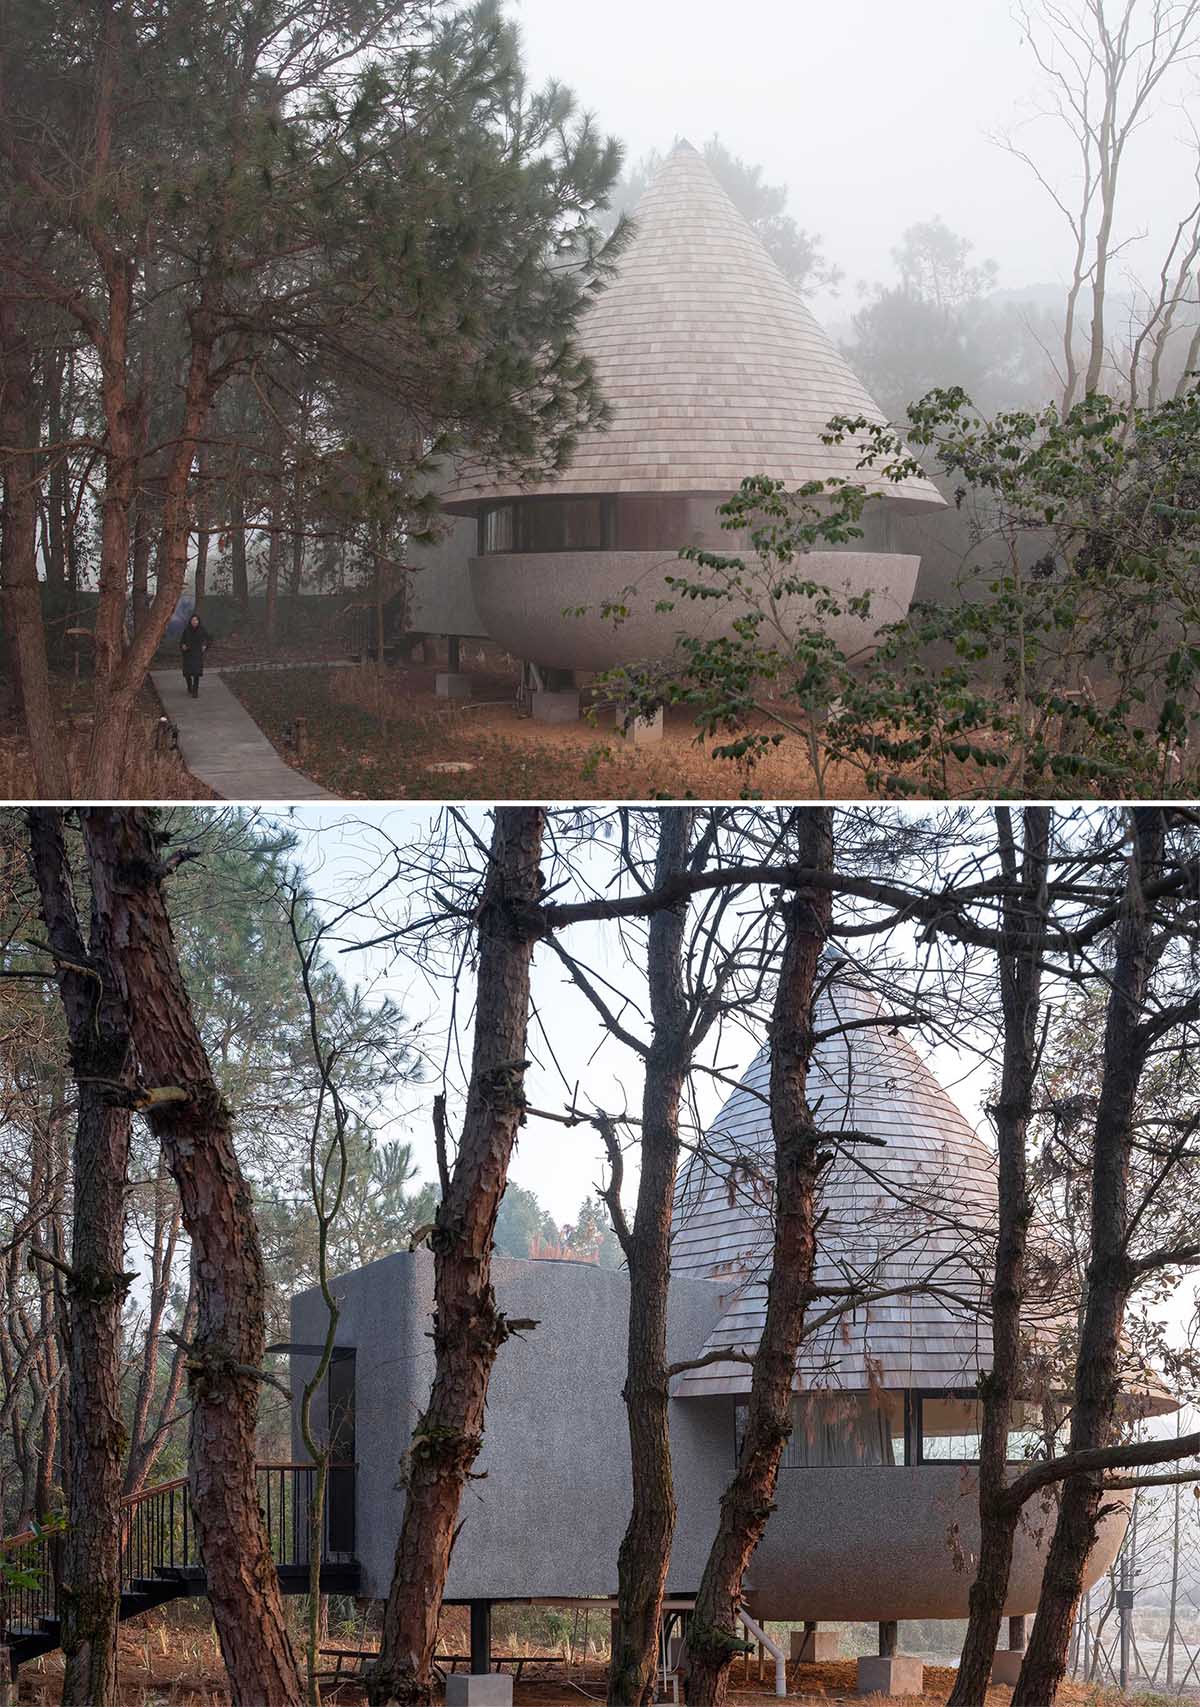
(151, 774)
(165, 1665)
(376, 736)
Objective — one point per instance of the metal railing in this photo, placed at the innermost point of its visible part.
(159, 1535)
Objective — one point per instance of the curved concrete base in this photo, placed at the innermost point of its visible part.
(522, 601)
(893, 1542)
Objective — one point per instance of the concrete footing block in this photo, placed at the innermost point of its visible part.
(890, 1674)
(642, 731)
(1006, 1667)
(556, 707)
(451, 684)
(815, 1647)
(479, 1689)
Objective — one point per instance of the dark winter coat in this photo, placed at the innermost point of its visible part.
(193, 644)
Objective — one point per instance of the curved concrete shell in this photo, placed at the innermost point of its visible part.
(522, 600)
(714, 369)
(891, 1542)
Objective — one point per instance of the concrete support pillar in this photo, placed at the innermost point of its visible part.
(481, 1636)
(641, 731)
(453, 651)
(493, 1690)
(556, 706)
(1006, 1666)
(890, 1674)
(812, 1646)
(449, 684)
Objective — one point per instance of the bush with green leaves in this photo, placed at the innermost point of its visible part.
(1066, 658)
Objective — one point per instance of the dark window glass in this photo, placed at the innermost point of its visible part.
(634, 521)
(629, 522)
(340, 1387)
(497, 529)
(561, 524)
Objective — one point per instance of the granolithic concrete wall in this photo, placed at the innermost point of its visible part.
(548, 1514)
(870, 1542)
(440, 598)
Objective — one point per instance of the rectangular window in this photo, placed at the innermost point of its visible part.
(497, 529)
(838, 1430)
(950, 1426)
(340, 1392)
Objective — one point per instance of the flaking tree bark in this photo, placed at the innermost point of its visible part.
(191, 1121)
(1024, 920)
(646, 1545)
(101, 1062)
(799, 1160)
(1111, 1273)
(469, 1329)
(19, 591)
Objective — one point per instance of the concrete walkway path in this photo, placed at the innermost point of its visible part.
(223, 745)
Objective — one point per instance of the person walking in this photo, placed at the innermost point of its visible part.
(194, 642)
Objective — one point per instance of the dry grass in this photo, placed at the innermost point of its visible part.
(149, 775)
(381, 736)
(171, 1659)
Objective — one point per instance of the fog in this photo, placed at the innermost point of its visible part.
(875, 115)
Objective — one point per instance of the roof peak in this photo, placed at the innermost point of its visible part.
(712, 362)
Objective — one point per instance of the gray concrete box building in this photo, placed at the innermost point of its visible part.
(876, 1512)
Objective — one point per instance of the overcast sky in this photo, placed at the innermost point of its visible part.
(875, 114)
(341, 850)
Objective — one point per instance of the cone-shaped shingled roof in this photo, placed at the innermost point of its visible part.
(890, 1215)
(714, 367)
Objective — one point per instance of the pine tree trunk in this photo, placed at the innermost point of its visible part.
(1024, 920)
(140, 577)
(122, 425)
(227, 1346)
(468, 1328)
(646, 1546)
(203, 531)
(747, 1502)
(118, 689)
(275, 556)
(240, 580)
(24, 622)
(90, 1589)
(1109, 1274)
(56, 478)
